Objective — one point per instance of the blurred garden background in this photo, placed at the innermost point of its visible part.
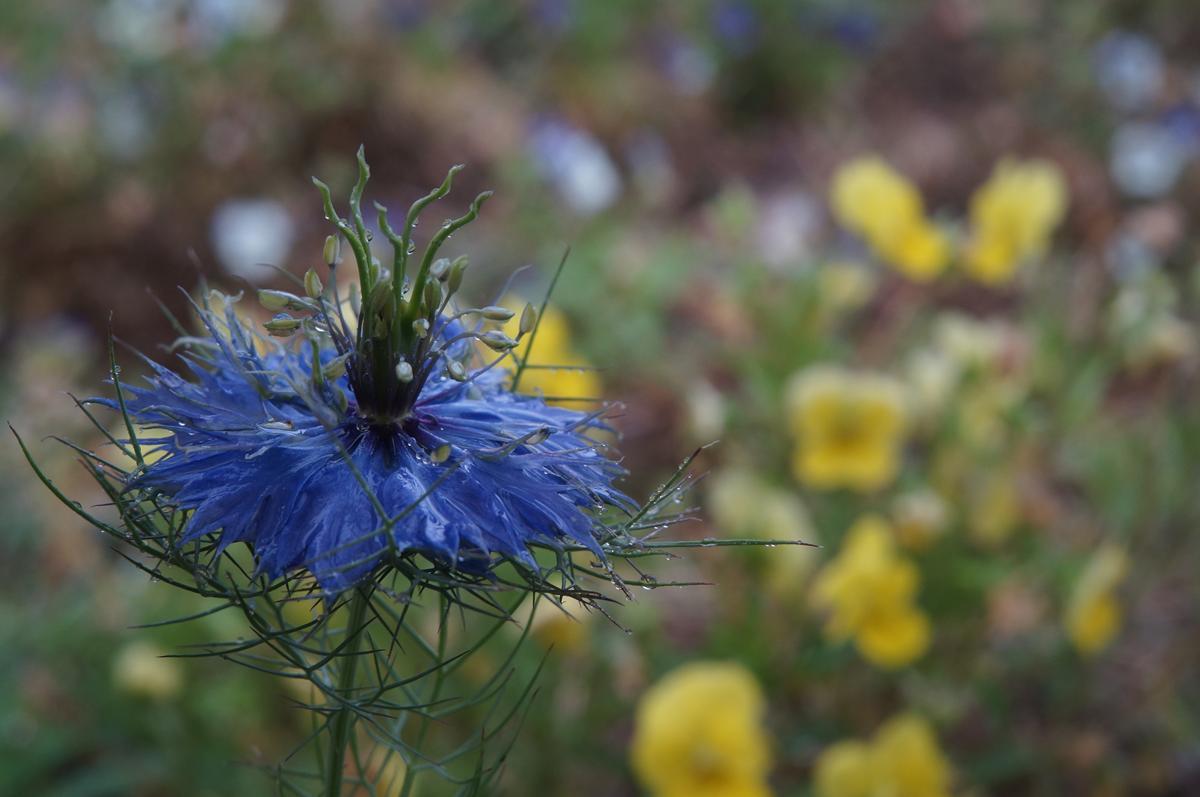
(928, 272)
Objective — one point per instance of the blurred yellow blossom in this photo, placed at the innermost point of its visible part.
(1093, 613)
(849, 428)
(140, 668)
(742, 505)
(919, 253)
(147, 437)
(382, 768)
(919, 517)
(844, 285)
(872, 199)
(869, 591)
(1013, 216)
(699, 733)
(573, 376)
(902, 760)
(994, 502)
(562, 627)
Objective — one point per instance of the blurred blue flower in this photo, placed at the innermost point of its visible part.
(264, 453)
(406, 15)
(1183, 122)
(736, 24)
(1129, 69)
(558, 16)
(687, 65)
(856, 29)
(1146, 159)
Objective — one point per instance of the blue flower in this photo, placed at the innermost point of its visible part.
(474, 473)
(350, 447)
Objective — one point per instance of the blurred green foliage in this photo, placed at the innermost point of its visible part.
(684, 153)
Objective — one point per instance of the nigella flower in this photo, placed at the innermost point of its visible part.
(384, 446)
(361, 440)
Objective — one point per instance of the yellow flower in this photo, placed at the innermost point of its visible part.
(562, 628)
(148, 441)
(920, 252)
(919, 517)
(1013, 216)
(140, 668)
(849, 427)
(872, 199)
(743, 506)
(870, 591)
(844, 770)
(699, 733)
(571, 377)
(844, 285)
(902, 760)
(377, 768)
(1093, 613)
(995, 507)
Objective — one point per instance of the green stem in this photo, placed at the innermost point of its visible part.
(344, 720)
(410, 773)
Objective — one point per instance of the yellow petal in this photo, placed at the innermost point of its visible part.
(895, 639)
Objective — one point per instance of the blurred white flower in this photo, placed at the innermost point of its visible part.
(250, 235)
(706, 411)
(787, 226)
(577, 164)
(1146, 159)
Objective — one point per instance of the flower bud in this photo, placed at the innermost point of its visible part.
(274, 300)
(456, 371)
(433, 295)
(496, 340)
(333, 250)
(496, 313)
(336, 367)
(528, 320)
(282, 325)
(455, 277)
(404, 371)
(312, 284)
(421, 327)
